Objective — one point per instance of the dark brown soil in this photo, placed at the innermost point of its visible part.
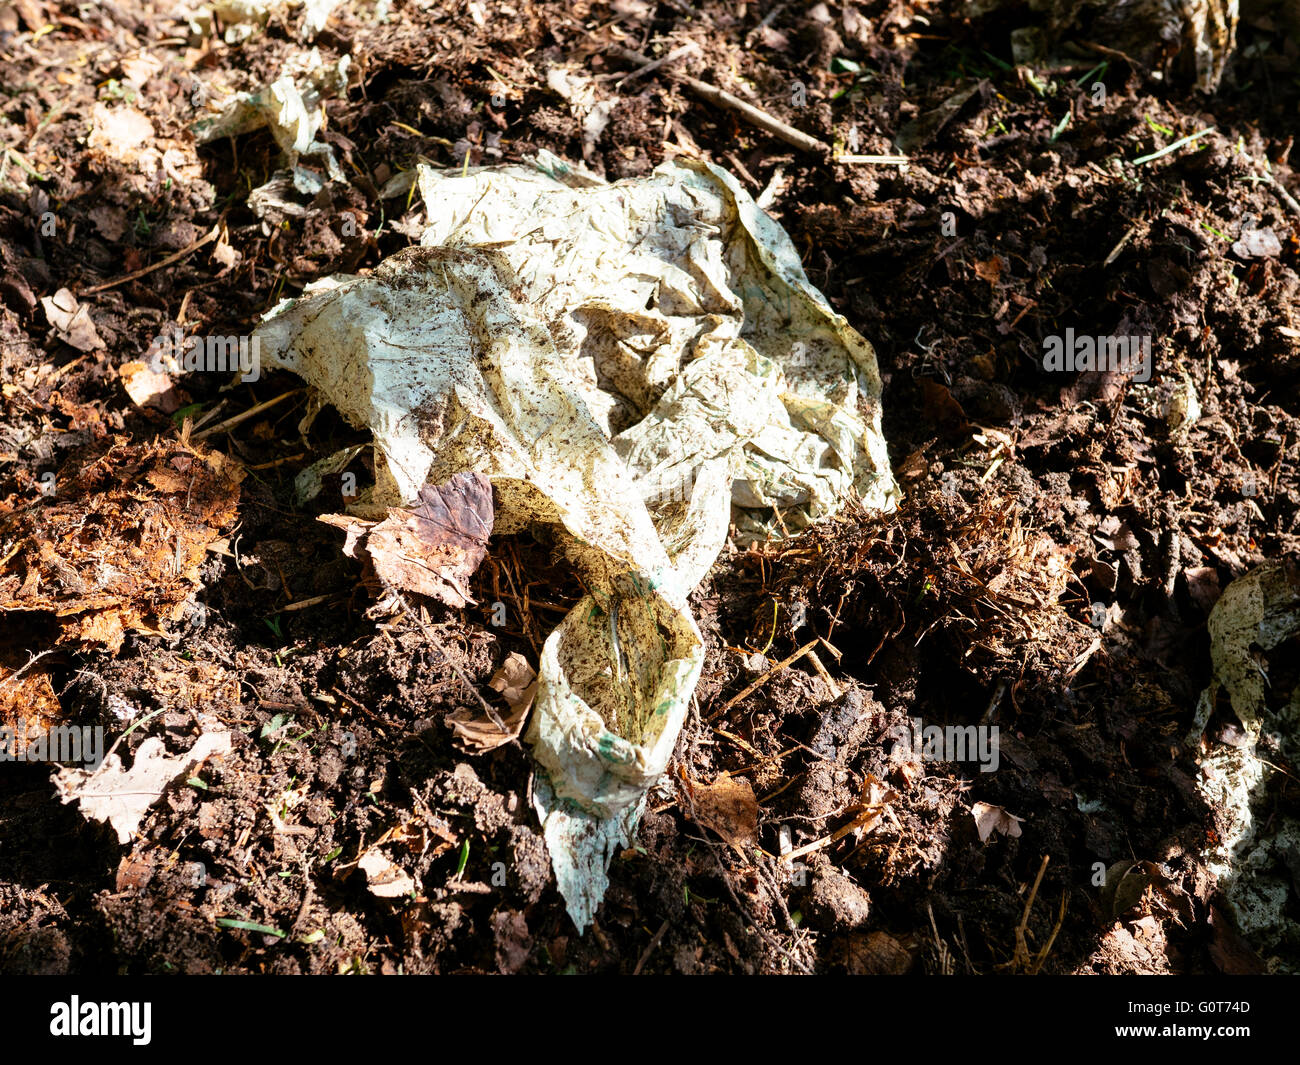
(1029, 497)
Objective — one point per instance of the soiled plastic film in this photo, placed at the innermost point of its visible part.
(636, 365)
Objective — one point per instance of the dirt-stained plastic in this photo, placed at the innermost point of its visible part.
(639, 366)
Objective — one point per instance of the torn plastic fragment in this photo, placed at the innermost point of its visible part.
(1257, 847)
(290, 107)
(241, 19)
(636, 365)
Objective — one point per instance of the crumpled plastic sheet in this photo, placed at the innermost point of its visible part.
(1256, 851)
(290, 107)
(635, 365)
(242, 19)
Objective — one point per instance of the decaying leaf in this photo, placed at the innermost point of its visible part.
(728, 807)
(27, 698)
(990, 819)
(122, 796)
(517, 681)
(875, 954)
(990, 270)
(1184, 408)
(385, 879)
(434, 547)
(1254, 628)
(119, 132)
(1144, 886)
(120, 543)
(71, 321)
(148, 387)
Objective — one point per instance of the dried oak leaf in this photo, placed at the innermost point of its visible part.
(434, 547)
(119, 544)
(123, 796)
(517, 681)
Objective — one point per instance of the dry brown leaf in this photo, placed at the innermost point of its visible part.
(109, 220)
(990, 819)
(119, 544)
(990, 270)
(120, 796)
(517, 681)
(875, 954)
(224, 254)
(433, 548)
(728, 807)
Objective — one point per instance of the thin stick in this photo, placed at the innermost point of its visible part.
(1282, 192)
(821, 672)
(1047, 947)
(768, 19)
(303, 604)
(650, 67)
(753, 115)
(868, 817)
(783, 664)
(24, 668)
(230, 423)
(650, 948)
(432, 637)
(216, 231)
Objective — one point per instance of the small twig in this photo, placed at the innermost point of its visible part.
(1123, 243)
(216, 231)
(1021, 955)
(742, 170)
(432, 637)
(1282, 191)
(750, 689)
(650, 948)
(793, 959)
(653, 65)
(753, 115)
(1114, 53)
(303, 604)
(1047, 947)
(24, 668)
(768, 19)
(231, 422)
(821, 672)
(869, 816)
